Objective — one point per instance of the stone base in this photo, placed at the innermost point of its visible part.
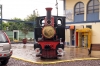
(95, 54)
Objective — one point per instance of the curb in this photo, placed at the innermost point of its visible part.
(55, 62)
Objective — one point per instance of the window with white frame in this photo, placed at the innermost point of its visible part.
(42, 21)
(93, 6)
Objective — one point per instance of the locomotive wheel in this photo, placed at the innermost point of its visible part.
(37, 46)
(42, 57)
(55, 57)
(59, 46)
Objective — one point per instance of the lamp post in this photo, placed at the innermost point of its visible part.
(57, 7)
(1, 17)
(34, 24)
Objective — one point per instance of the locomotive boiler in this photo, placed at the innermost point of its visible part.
(49, 35)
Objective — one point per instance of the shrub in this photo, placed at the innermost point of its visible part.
(11, 39)
(20, 39)
(31, 39)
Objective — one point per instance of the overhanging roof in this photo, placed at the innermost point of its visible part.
(84, 30)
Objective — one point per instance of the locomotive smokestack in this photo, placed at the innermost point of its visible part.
(48, 13)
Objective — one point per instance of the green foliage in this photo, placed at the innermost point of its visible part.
(0, 26)
(31, 18)
(31, 39)
(11, 25)
(25, 31)
(11, 39)
(20, 39)
(17, 25)
(5, 25)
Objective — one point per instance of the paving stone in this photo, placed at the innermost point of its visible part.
(14, 62)
(27, 52)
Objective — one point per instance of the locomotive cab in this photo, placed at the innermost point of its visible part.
(49, 35)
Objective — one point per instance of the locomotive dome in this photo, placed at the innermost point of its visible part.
(48, 31)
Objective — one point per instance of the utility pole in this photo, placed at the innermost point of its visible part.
(34, 25)
(1, 17)
(57, 7)
(34, 12)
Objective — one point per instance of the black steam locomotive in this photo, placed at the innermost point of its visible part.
(49, 35)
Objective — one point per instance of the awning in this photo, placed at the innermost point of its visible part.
(79, 27)
(84, 30)
(72, 26)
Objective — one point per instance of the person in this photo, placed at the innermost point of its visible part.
(82, 41)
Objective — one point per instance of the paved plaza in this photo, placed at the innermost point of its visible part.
(25, 56)
(14, 62)
(27, 52)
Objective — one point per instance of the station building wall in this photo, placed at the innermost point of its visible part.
(90, 16)
(83, 17)
(70, 5)
(95, 32)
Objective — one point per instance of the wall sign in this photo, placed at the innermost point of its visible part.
(69, 15)
(67, 27)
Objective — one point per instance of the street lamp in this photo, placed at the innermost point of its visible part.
(35, 12)
(57, 7)
(34, 25)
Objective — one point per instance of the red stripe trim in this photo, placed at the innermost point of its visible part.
(7, 37)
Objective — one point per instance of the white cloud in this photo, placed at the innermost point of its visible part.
(22, 8)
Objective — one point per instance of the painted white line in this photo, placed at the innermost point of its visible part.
(54, 62)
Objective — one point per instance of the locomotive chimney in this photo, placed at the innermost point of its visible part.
(48, 13)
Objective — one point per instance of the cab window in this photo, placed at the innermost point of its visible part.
(2, 37)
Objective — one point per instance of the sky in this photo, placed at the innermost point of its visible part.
(23, 8)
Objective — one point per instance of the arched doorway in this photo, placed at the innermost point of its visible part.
(84, 37)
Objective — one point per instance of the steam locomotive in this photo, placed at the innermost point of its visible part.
(49, 35)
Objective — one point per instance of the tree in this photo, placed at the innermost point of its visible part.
(31, 18)
(15, 25)
(5, 26)
(24, 31)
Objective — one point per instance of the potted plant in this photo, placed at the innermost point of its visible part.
(25, 32)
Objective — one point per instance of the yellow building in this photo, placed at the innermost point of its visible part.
(82, 22)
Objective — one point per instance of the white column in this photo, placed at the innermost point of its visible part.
(18, 35)
(67, 36)
(69, 39)
(75, 37)
(99, 9)
(85, 12)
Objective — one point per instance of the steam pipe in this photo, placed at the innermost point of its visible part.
(48, 13)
